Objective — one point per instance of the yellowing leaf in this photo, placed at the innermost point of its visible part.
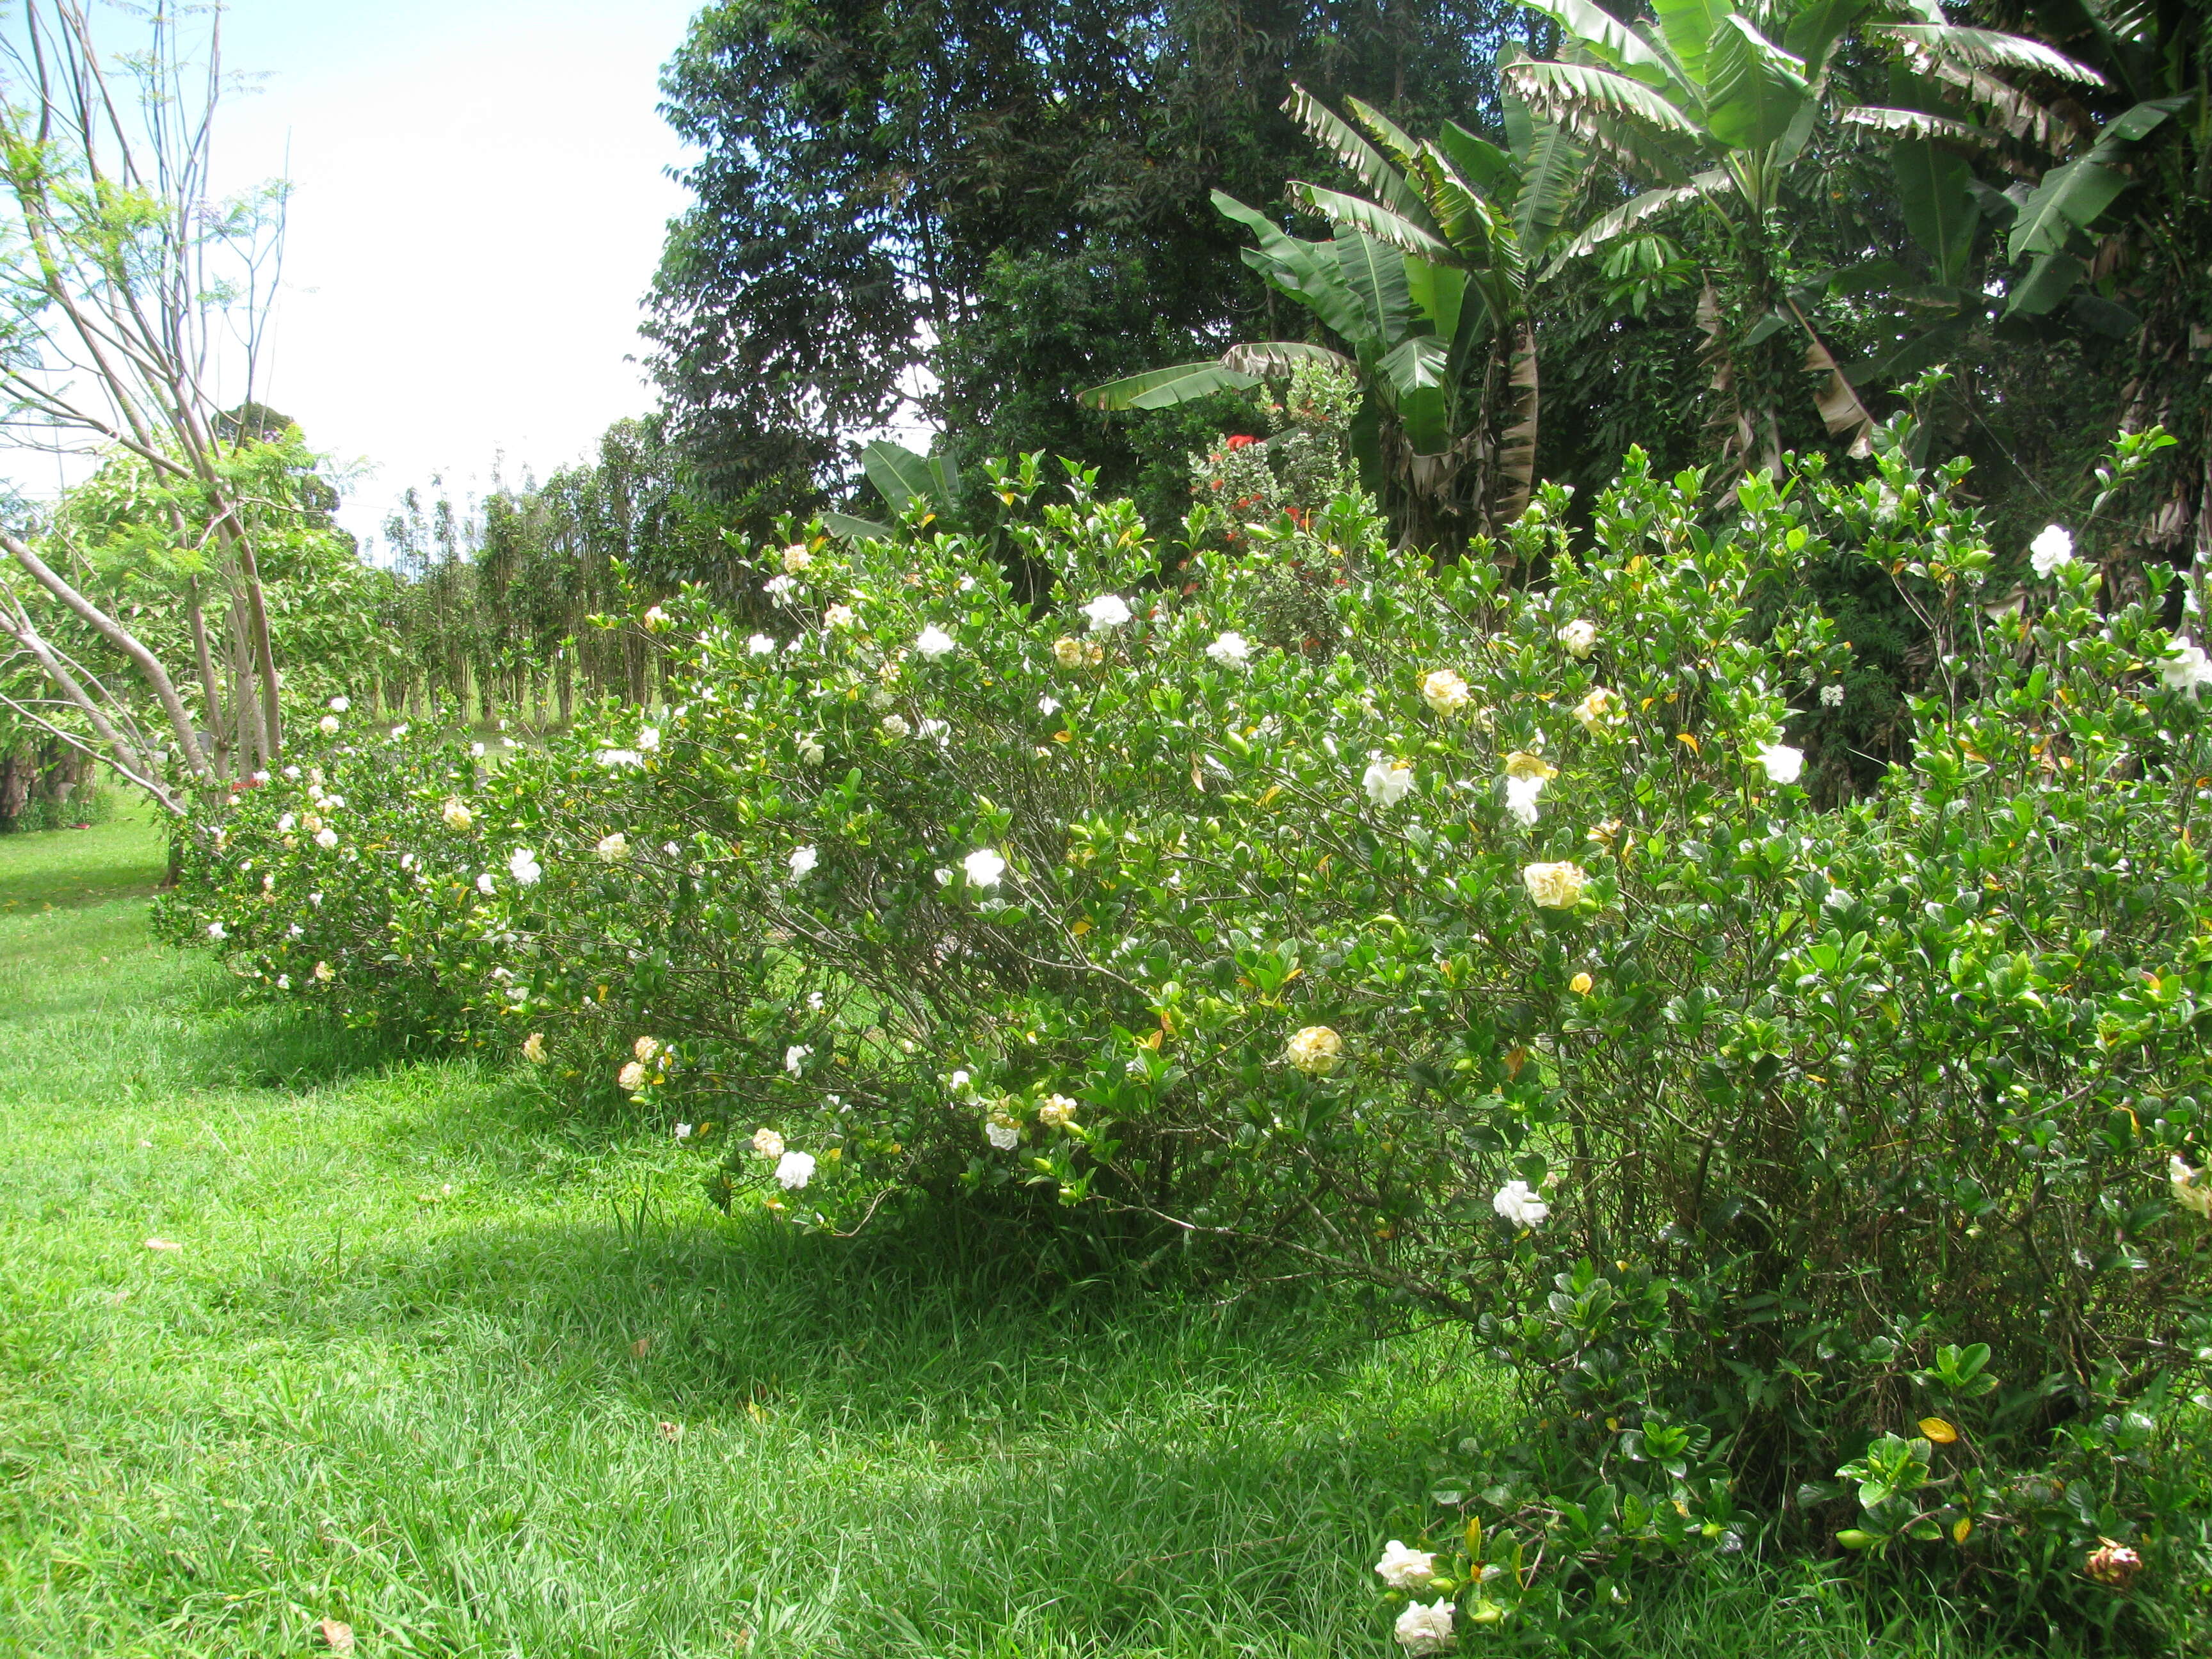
(1961, 1529)
(1695, 748)
(1080, 927)
(1515, 1060)
(1938, 1430)
(337, 1636)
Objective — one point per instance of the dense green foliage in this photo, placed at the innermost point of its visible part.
(1478, 941)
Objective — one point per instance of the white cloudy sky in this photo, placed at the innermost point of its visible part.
(480, 194)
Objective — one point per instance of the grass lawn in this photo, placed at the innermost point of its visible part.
(432, 1358)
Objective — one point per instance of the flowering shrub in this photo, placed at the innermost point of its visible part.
(1480, 942)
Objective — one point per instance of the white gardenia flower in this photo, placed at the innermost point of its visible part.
(293, 773)
(457, 816)
(485, 884)
(1518, 1202)
(286, 825)
(339, 705)
(613, 849)
(329, 722)
(2191, 1190)
(778, 588)
(1404, 1569)
(631, 1077)
(2051, 548)
(1422, 1631)
(1231, 650)
(1387, 781)
(1554, 886)
(810, 752)
(614, 757)
(794, 1057)
(648, 739)
(895, 726)
(1521, 797)
(838, 615)
(768, 1143)
(683, 1132)
(216, 930)
(1579, 637)
(796, 558)
(933, 642)
(983, 867)
(1784, 764)
(2186, 667)
(326, 838)
(1107, 610)
(476, 749)
(1831, 697)
(523, 866)
(761, 646)
(1445, 691)
(1048, 706)
(1056, 1112)
(803, 861)
(794, 1170)
(1002, 1134)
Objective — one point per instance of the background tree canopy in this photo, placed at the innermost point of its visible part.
(961, 209)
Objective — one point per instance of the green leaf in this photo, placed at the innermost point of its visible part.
(1939, 206)
(1632, 214)
(899, 474)
(2067, 201)
(1811, 32)
(858, 529)
(1436, 292)
(1375, 273)
(1306, 271)
(1377, 222)
(1553, 165)
(1756, 90)
(1990, 49)
(1688, 25)
(1357, 156)
(1273, 359)
(1610, 39)
(1415, 373)
(1480, 162)
(1578, 86)
(1161, 388)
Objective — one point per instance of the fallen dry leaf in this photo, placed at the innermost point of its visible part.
(339, 1635)
(162, 1245)
(639, 1346)
(672, 1430)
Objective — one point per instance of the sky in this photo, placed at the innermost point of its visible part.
(480, 192)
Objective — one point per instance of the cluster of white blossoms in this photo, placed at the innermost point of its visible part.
(612, 850)
(2052, 549)
(1517, 1201)
(1315, 1050)
(796, 558)
(933, 642)
(1832, 696)
(456, 815)
(644, 1051)
(1387, 781)
(612, 759)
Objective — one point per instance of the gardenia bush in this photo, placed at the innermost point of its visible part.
(1841, 1168)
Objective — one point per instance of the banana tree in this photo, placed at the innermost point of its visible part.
(1426, 282)
(1711, 111)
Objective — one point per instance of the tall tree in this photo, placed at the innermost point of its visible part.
(954, 210)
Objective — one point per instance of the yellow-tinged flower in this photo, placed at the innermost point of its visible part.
(1936, 1429)
(1056, 1112)
(457, 816)
(1445, 691)
(1581, 984)
(1555, 886)
(1067, 653)
(533, 1047)
(631, 1077)
(1597, 711)
(325, 972)
(2191, 1190)
(645, 1049)
(1315, 1050)
(1523, 764)
(1579, 637)
(768, 1143)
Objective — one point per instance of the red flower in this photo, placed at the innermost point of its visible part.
(1240, 442)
